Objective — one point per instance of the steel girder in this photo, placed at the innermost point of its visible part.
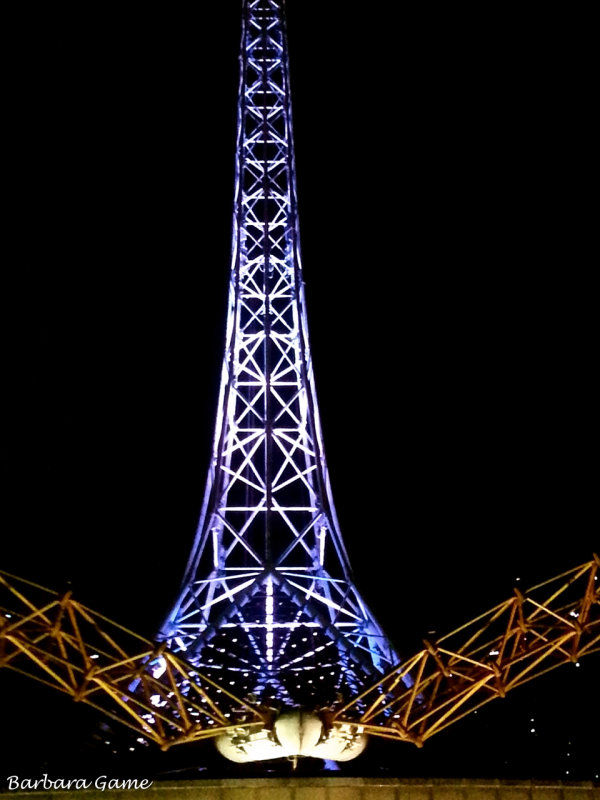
(141, 684)
(554, 623)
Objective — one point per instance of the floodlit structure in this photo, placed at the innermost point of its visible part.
(270, 649)
(166, 700)
(268, 604)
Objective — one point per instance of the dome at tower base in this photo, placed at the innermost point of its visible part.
(294, 734)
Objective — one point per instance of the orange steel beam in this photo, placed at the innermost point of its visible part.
(139, 683)
(553, 623)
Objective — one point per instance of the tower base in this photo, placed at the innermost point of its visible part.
(294, 734)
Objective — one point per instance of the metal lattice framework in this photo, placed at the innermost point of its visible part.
(268, 605)
(61, 643)
(268, 595)
(142, 684)
(554, 623)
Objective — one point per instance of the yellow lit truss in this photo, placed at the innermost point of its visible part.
(63, 644)
(67, 646)
(553, 623)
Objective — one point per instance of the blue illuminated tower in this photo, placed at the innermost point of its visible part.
(268, 606)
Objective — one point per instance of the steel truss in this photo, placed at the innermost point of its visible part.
(150, 689)
(61, 643)
(268, 596)
(554, 623)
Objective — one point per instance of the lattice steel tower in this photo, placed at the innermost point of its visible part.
(268, 605)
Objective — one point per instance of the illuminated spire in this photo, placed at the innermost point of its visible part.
(268, 603)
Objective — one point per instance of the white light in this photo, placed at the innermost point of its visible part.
(215, 548)
(269, 619)
(159, 667)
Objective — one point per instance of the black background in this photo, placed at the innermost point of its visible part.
(444, 166)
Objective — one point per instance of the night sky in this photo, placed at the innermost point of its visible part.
(443, 167)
